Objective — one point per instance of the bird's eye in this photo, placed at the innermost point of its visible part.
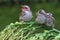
(26, 8)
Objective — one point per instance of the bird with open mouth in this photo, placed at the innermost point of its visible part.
(26, 14)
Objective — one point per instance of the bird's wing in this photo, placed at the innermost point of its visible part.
(22, 14)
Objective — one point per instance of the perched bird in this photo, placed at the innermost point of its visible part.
(26, 14)
(41, 17)
(50, 20)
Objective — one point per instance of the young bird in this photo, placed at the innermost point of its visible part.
(26, 14)
(41, 17)
(50, 20)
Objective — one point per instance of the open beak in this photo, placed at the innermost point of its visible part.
(23, 9)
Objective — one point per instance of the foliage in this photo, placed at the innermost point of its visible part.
(28, 1)
(28, 31)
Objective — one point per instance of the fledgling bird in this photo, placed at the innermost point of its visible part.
(41, 17)
(26, 14)
(50, 20)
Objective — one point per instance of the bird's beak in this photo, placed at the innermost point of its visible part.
(23, 9)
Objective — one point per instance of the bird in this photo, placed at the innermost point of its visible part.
(26, 14)
(50, 20)
(41, 17)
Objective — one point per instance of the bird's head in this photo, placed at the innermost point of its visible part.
(41, 11)
(49, 14)
(25, 8)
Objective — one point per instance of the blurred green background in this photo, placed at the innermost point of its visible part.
(10, 9)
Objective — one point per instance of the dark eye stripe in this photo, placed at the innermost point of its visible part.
(39, 11)
(24, 8)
